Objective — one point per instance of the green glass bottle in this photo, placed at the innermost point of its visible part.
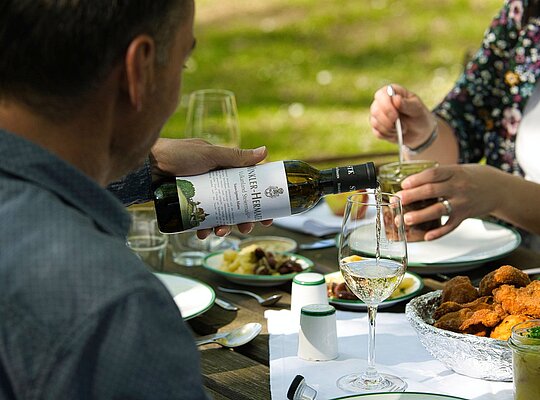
(249, 194)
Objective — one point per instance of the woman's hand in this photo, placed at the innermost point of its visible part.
(184, 157)
(416, 120)
(472, 190)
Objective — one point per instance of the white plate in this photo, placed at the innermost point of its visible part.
(213, 261)
(360, 305)
(192, 297)
(399, 396)
(270, 243)
(471, 244)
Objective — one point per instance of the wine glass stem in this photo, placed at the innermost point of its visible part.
(371, 373)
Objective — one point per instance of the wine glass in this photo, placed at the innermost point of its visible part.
(212, 115)
(372, 260)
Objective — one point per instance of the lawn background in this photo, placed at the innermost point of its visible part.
(304, 71)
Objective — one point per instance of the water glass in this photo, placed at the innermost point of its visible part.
(188, 250)
(145, 239)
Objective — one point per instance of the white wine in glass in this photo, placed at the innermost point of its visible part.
(213, 116)
(372, 259)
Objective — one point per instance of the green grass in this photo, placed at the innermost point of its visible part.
(271, 53)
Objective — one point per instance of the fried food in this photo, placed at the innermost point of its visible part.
(504, 329)
(476, 317)
(505, 275)
(459, 290)
(451, 306)
(520, 301)
(452, 321)
(481, 319)
(505, 298)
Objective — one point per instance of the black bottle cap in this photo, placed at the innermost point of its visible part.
(295, 384)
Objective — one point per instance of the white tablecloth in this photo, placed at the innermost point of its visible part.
(398, 351)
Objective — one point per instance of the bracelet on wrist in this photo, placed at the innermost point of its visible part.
(426, 144)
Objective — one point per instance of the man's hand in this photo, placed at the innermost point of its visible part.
(185, 157)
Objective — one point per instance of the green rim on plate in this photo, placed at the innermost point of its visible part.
(266, 278)
(187, 278)
(404, 395)
(501, 252)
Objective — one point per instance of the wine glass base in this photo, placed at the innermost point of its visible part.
(355, 383)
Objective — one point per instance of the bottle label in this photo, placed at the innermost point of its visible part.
(232, 196)
(346, 179)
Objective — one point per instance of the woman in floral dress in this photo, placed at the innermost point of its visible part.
(489, 123)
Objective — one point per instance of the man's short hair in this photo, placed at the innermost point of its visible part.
(54, 52)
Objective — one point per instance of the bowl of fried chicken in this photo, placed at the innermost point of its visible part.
(466, 327)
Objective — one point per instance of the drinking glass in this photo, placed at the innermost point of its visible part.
(145, 239)
(212, 115)
(372, 259)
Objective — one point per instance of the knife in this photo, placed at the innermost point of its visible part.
(318, 244)
(225, 304)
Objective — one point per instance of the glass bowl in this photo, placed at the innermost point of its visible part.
(474, 356)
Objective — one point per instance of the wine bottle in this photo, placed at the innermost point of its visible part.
(249, 194)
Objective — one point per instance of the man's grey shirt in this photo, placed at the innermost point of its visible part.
(80, 315)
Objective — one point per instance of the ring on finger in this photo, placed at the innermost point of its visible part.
(447, 206)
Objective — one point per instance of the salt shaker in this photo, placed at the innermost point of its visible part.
(307, 288)
(317, 338)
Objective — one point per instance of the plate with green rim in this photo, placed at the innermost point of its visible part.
(410, 286)
(473, 243)
(399, 396)
(214, 261)
(192, 297)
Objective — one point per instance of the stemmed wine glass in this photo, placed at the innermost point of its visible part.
(213, 116)
(372, 259)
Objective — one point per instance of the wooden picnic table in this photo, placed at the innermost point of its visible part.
(244, 372)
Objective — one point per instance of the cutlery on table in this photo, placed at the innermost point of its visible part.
(268, 301)
(318, 244)
(237, 337)
(226, 305)
(390, 91)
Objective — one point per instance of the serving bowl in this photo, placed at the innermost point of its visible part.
(474, 356)
(213, 262)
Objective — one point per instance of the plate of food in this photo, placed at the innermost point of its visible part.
(339, 294)
(191, 296)
(473, 243)
(270, 243)
(467, 327)
(254, 266)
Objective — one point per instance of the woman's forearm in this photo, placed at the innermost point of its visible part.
(444, 149)
(518, 202)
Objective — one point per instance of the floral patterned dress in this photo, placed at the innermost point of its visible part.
(485, 106)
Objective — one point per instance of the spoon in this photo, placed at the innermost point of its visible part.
(390, 91)
(236, 337)
(262, 301)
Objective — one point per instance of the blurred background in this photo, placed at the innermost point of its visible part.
(304, 71)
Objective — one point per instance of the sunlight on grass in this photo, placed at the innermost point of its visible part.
(304, 72)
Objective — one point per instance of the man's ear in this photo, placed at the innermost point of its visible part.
(140, 68)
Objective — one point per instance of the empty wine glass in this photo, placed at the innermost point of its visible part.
(212, 115)
(372, 259)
